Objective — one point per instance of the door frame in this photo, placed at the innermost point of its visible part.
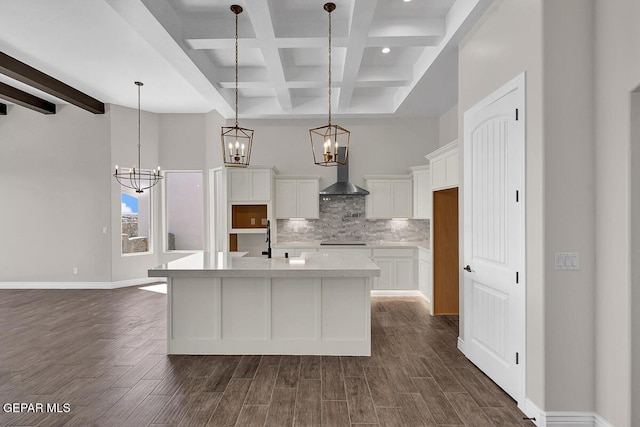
(518, 83)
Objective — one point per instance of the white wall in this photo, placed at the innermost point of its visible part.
(184, 209)
(377, 146)
(569, 205)
(54, 195)
(635, 255)
(617, 73)
(448, 126)
(488, 58)
(124, 140)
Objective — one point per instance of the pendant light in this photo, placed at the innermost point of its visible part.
(138, 179)
(236, 141)
(326, 140)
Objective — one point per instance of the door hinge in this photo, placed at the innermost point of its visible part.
(517, 196)
(517, 277)
(517, 358)
(517, 114)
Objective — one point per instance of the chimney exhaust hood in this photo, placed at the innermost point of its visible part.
(343, 187)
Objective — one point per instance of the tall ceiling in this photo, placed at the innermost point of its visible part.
(183, 50)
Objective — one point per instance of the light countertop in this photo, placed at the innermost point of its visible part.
(206, 264)
(367, 245)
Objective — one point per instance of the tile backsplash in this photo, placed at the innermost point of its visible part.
(342, 219)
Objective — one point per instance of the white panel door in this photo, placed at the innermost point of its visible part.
(494, 303)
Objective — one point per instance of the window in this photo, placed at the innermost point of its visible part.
(184, 211)
(136, 222)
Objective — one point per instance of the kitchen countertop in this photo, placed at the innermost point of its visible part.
(367, 245)
(207, 264)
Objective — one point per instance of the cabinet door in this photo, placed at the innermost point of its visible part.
(423, 270)
(387, 273)
(260, 184)
(379, 198)
(438, 173)
(402, 200)
(286, 198)
(404, 274)
(238, 184)
(452, 169)
(422, 195)
(308, 198)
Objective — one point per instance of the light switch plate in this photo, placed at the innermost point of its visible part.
(567, 261)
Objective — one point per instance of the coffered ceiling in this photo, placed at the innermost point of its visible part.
(185, 49)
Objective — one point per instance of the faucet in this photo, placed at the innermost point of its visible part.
(268, 251)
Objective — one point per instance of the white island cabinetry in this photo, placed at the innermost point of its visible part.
(219, 304)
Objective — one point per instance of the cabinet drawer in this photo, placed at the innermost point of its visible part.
(393, 253)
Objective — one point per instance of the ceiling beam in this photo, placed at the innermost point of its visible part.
(26, 100)
(361, 19)
(26, 74)
(3, 109)
(262, 23)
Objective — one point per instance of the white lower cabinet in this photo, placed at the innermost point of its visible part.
(397, 269)
(425, 273)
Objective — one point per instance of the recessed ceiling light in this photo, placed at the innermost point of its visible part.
(407, 1)
(386, 50)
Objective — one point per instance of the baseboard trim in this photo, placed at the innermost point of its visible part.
(396, 293)
(79, 285)
(461, 345)
(562, 418)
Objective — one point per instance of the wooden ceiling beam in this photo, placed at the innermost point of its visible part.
(26, 100)
(28, 75)
(3, 109)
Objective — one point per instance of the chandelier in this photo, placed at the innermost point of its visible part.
(138, 179)
(236, 141)
(325, 140)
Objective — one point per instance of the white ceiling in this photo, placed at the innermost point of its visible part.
(183, 50)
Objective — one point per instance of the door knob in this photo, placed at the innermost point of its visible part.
(468, 268)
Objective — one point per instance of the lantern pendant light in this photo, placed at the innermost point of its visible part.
(326, 140)
(236, 141)
(138, 179)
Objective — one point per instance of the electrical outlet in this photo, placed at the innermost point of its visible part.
(295, 228)
(264, 221)
(105, 230)
(75, 270)
(253, 221)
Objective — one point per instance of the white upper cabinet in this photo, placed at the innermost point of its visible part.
(390, 196)
(444, 166)
(297, 197)
(421, 192)
(250, 184)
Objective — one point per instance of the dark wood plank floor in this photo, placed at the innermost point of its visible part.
(103, 353)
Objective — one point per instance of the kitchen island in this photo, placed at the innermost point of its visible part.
(316, 304)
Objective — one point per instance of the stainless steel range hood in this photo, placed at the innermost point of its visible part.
(343, 187)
